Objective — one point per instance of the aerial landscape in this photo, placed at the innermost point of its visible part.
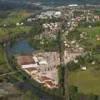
(49, 49)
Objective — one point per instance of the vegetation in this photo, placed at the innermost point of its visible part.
(14, 17)
(29, 96)
(88, 81)
(85, 82)
(61, 78)
(12, 31)
(3, 65)
(8, 24)
(75, 95)
(9, 30)
(97, 12)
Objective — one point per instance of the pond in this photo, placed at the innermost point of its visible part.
(20, 47)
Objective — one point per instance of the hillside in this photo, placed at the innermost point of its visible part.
(14, 4)
(58, 2)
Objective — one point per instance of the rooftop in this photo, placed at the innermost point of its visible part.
(25, 59)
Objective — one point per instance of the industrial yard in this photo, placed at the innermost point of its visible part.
(42, 67)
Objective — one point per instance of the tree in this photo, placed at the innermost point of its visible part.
(30, 96)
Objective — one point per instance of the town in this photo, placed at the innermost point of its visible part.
(52, 52)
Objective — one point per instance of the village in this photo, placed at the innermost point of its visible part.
(51, 52)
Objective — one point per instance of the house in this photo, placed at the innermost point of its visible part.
(49, 14)
(25, 59)
(98, 37)
(30, 66)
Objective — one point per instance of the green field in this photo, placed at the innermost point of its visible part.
(88, 82)
(92, 32)
(14, 31)
(14, 17)
(10, 20)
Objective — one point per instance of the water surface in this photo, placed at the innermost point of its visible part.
(20, 47)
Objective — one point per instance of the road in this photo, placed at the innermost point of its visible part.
(62, 49)
(10, 73)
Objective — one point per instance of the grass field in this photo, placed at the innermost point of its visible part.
(87, 81)
(92, 32)
(12, 18)
(14, 31)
